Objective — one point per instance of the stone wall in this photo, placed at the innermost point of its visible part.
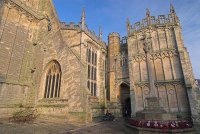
(118, 73)
(31, 37)
(17, 30)
(53, 46)
(166, 66)
(13, 95)
(1, 8)
(193, 91)
(79, 40)
(28, 44)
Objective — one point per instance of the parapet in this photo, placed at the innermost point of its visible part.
(161, 20)
(92, 34)
(70, 26)
(114, 39)
(114, 34)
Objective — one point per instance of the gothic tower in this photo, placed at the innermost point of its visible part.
(159, 63)
(118, 74)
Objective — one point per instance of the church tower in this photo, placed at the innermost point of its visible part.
(159, 63)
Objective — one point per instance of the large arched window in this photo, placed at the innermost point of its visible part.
(53, 80)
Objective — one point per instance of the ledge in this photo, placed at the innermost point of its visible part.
(52, 102)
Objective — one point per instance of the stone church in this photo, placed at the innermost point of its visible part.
(66, 70)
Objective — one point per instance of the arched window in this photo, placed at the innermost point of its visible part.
(53, 80)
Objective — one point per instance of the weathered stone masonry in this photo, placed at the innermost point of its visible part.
(169, 61)
(35, 45)
(31, 38)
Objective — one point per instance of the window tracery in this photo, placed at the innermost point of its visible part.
(53, 80)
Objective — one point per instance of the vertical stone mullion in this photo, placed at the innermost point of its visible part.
(56, 83)
(46, 86)
(49, 86)
(55, 86)
(59, 83)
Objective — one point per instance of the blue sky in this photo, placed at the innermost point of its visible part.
(111, 16)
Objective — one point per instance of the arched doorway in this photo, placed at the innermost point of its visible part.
(125, 100)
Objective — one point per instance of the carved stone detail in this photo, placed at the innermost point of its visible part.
(169, 82)
(152, 21)
(161, 83)
(164, 53)
(161, 54)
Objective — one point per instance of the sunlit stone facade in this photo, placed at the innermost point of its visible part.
(67, 70)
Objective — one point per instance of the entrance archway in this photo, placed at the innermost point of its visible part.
(125, 100)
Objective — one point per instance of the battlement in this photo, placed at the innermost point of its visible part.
(70, 26)
(92, 34)
(114, 34)
(161, 20)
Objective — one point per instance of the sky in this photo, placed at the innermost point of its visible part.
(111, 15)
